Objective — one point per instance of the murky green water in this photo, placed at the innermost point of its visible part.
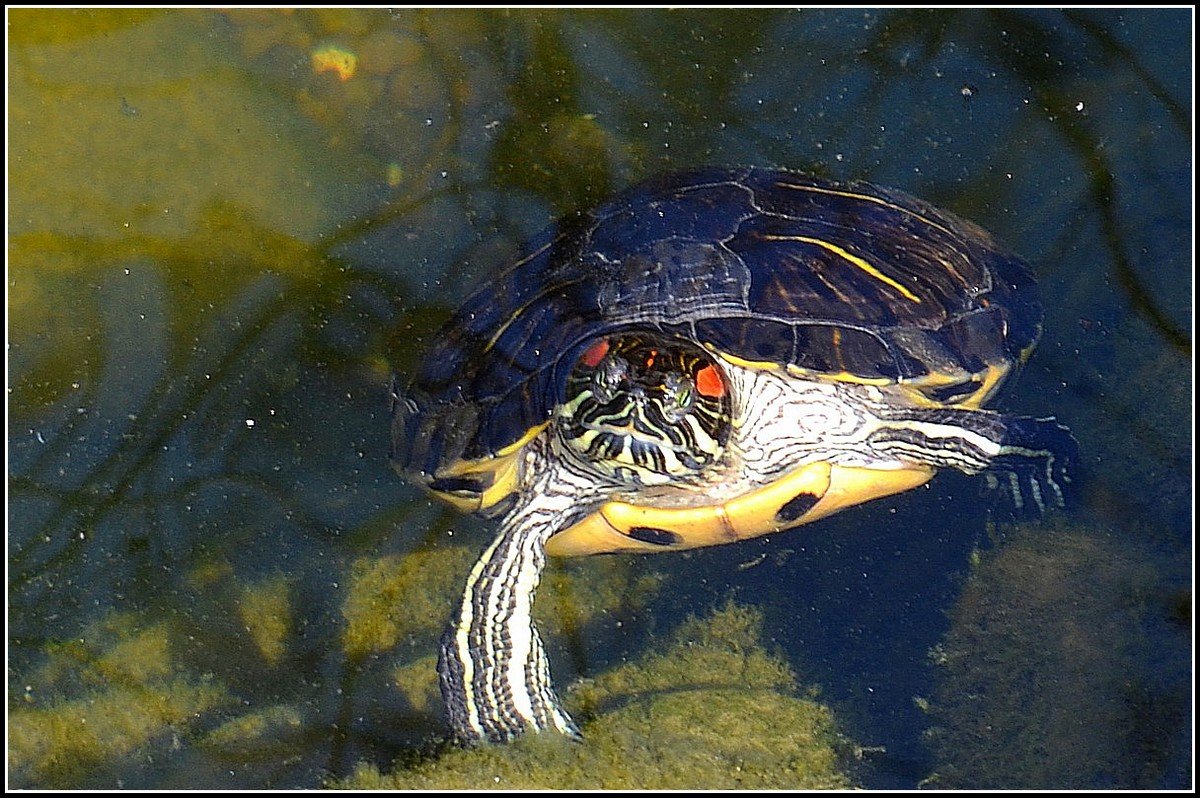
(227, 228)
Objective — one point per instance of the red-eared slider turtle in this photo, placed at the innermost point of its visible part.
(708, 357)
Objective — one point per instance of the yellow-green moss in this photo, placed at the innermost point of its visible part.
(409, 598)
(137, 655)
(575, 593)
(407, 601)
(99, 697)
(396, 597)
(417, 682)
(720, 651)
(209, 572)
(711, 711)
(264, 728)
(1039, 682)
(265, 610)
(57, 744)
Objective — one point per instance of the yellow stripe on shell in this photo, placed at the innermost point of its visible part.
(868, 198)
(851, 258)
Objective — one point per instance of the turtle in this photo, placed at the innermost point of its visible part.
(709, 356)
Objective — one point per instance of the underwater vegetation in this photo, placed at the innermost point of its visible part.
(100, 698)
(117, 692)
(708, 708)
(1043, 680)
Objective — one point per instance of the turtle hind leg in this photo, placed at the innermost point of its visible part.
(1029, 461)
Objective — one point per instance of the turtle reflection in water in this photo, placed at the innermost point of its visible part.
(710, 356)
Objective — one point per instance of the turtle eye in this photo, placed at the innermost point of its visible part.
(678, 396)
(607, 379)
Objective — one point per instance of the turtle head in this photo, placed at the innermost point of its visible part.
(646, 410)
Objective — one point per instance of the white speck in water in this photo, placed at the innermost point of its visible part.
(249, 422)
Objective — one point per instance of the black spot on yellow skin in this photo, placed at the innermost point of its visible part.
(797, 506)
(658, 537)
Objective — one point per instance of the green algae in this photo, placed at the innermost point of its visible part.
(721, 651)
(417, 683)
(110, 159)
(265, 610)
(712, 710)
(400, 604)
(267, 729)
(408, 599)
(577, 593)
(398, 598)
(107, 694)
(1043, 681)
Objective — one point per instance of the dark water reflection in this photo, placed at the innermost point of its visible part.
(217, 254)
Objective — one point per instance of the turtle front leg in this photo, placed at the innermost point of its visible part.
(1032, 458)
(493, 670)
(492, 667)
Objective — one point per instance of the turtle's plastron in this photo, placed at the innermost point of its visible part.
(807, 494)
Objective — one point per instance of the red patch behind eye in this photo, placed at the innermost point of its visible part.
(709, 382)
(595, 353)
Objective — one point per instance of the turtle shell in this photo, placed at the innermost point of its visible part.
(835, 281)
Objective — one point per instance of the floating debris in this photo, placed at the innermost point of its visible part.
(330, 58)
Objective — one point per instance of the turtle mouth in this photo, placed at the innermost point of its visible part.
(635, 458)
(655, 428)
